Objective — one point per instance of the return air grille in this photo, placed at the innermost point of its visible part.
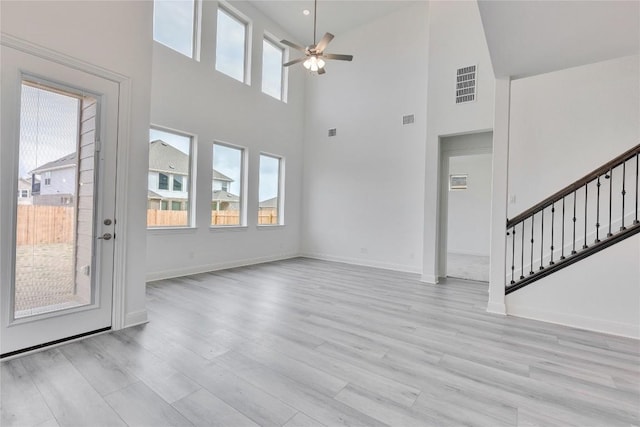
(333, 132)
(408, 119)
(466, 84)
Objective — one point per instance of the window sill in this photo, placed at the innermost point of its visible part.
(222, 228)
(270, 226)
(171, 230)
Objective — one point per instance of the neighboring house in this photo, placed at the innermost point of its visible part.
(169, 180)
(26, 191)
(268, 204)
(57, 182)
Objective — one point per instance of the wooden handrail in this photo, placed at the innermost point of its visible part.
(574, 186)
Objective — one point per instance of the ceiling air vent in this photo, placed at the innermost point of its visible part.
(408, 119)
(333, 132)
(466, 84)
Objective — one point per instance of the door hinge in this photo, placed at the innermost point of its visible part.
(98, 146)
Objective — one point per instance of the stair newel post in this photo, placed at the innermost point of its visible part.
(573, 250)
(598, 212)
(586, 195)
(531, 264)
(553, 215)
(562, 247)
(635, 221)
(609, 176)
(513, 253)
(522, 253)
(624, 192)
(541, 237)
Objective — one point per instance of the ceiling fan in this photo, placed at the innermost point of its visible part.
(314, 54)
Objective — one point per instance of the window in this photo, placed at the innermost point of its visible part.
(269, 190)
(174, 24)
(272, 70)
(177, 183)
(163, 181)
(231, 45)
(169, 171)
(47, 178)
(24, 194)
(227, 185)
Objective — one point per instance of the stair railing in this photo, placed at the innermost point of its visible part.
(583, 218)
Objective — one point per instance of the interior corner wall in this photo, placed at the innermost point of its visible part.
(363, 187)
(193, 97)
(114, 35)
(456, 39)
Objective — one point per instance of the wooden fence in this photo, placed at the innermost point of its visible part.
(39, 225)
(158, 218)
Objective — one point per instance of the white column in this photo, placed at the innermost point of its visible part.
(499, 197)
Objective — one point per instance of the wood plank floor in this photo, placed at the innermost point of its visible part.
(311, 343)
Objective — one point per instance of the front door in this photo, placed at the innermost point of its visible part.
(57, 157)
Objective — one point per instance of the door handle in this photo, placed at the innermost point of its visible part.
(106, 236)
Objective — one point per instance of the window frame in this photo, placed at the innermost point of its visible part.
(195, 33)
(280, 186)
(284, 75)
(242, 211)
(236, 15)
(190, 188)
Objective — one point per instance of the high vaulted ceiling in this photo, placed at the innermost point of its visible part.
(334, 16)
(533, 37)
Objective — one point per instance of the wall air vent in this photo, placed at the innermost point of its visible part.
(466, 84)
(333, 132)
(408, 119)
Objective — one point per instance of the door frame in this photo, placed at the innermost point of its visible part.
(449, 147)
(118, 314)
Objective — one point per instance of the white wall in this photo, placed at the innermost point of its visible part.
(456, 39)
(115, 36)
(363, 188)
(469, 210)
(567, 123)
(585, 295)
(193, 97)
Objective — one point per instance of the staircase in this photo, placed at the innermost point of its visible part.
(585, 217)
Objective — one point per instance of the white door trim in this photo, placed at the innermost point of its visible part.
(118, 315)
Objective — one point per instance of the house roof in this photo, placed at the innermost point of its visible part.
(165, 158)
(223, 196)
(63, 162)
(269, 203)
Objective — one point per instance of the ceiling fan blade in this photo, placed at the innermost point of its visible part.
(322, 70)
(324, 41)
(295, 61)
(337, 56)
(293, 45)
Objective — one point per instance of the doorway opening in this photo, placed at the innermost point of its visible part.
(465, 206)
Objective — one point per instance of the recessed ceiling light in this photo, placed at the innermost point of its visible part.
(306, 12)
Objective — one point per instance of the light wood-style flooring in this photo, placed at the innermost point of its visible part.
(310, 343)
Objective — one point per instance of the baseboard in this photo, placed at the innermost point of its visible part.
(186, 271)
(496, 308)
(363, 262)
(580, 322)
(135, 318)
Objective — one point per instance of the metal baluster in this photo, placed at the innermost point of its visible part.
(513, 253)
(531, 264)
(541, 237)
(562, 249)
(598, 213)
(624, 192)
(609, 176)
(636, 220)
(522, 254)
(573, 250)
(553, 213)
(585, 246)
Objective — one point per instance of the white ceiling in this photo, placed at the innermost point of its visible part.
(334, 16)
(533, 37)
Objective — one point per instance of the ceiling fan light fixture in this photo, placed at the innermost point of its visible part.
(314, 63)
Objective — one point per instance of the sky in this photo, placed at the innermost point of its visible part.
(173, 24)
(230, 45)
(48, 127)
